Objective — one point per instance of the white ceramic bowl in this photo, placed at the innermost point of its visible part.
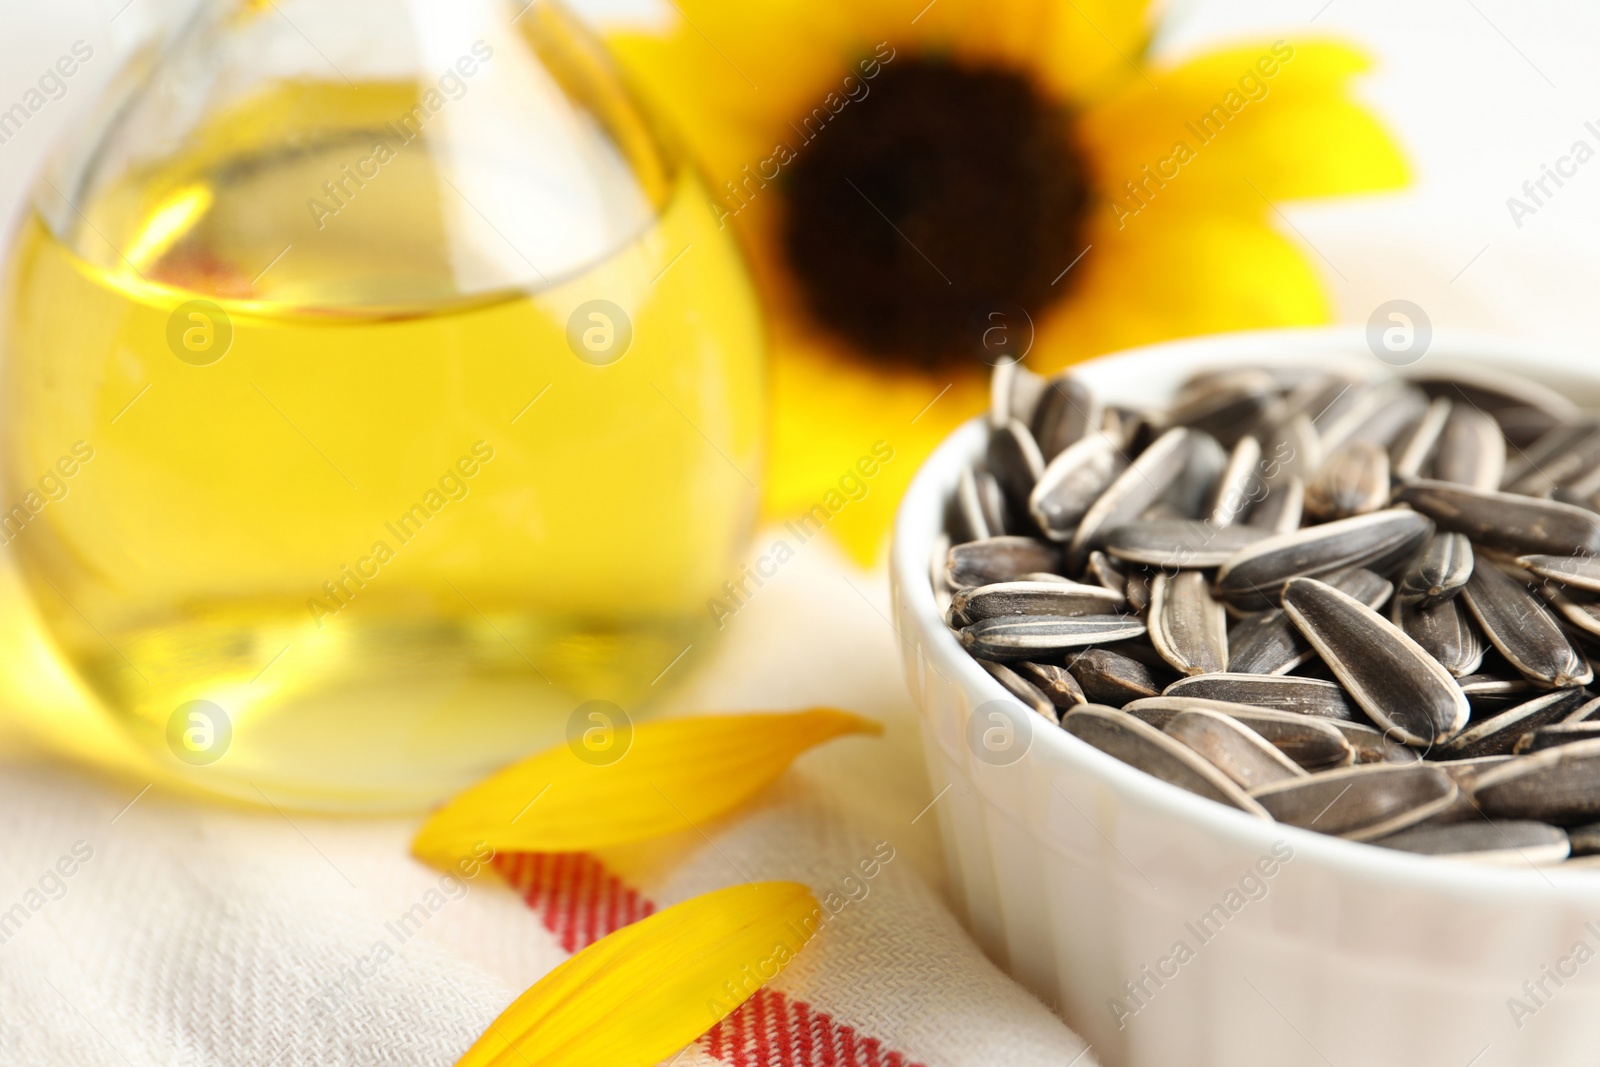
(1080, 874)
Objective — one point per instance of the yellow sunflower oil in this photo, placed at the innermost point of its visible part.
(319, 524)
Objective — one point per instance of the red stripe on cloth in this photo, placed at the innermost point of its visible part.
(579, 901)
(573, 894)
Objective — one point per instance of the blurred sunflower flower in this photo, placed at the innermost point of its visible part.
(921, 184)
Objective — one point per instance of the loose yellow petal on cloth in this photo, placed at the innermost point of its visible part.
(638, 995)
(671, 776)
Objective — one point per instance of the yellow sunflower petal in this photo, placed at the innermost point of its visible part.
(731, 78)
(1218, 131)
(833, 420)
(638, 995)
(671, 776)
(1177, 274)
(736, 78)
(1091, 45)
(1291, 130)
(1075, 50)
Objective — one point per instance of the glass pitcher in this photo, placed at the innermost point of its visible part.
(379, 389)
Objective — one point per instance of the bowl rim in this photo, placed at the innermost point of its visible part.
(916, 526)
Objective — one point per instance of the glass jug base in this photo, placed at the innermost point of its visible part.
(375, 716)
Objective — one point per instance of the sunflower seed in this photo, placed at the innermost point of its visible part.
(1413, 450)
(1490, 694)
(1014, 459)
(1107, 677)
(1472, 451)
(1553, 734)
(1586, 712)
(1291, 449)
(1045, 576)
(1281, 510)
(1111, 425)
(1064, 598)
(998, 559)
(1305, 740)
(1142, 746)
(1323, 401)
(1067, 411)
(1384, 413)
(1305, 696)
(1354, 480)
(1056, 683)
(1400, 407)
(1226, 405)
(1174, 543)
(1072, 481)
(1032, 697)
(1523, 408)
(1187, 627)
(1498, 735)
(1240, 484)
(1285, 376)
(1349, 409)
(1524, 630)
(980, 505)
(1578, 572)
(1312, 743)
(1366, 586)
(1162, 511)
(1585, 839)
(1233, 748)
(1255, 576)
(1583, 485)
(1146, 480)
(1581, 610)
(1559, 785)
(1510, 841)
(1570, 466)
(1021, 636)
(1361, 802)
(1192, 495)
(1160, 710)
(1103, 569)
(1558, 439)
(1439, 571)
(1465, 773)
(1014, 393)
(1445, 631)
(1506, 521)
(1373, 746)
(1268, 643)
(1402, 688)
(1137, 590)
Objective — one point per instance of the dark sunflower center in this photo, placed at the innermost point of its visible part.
(940, 193)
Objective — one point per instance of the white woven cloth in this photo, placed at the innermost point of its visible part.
(194, 934)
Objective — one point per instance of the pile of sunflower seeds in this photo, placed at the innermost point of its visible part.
(1363, 607)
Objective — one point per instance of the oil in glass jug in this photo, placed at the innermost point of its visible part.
(378, 389)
